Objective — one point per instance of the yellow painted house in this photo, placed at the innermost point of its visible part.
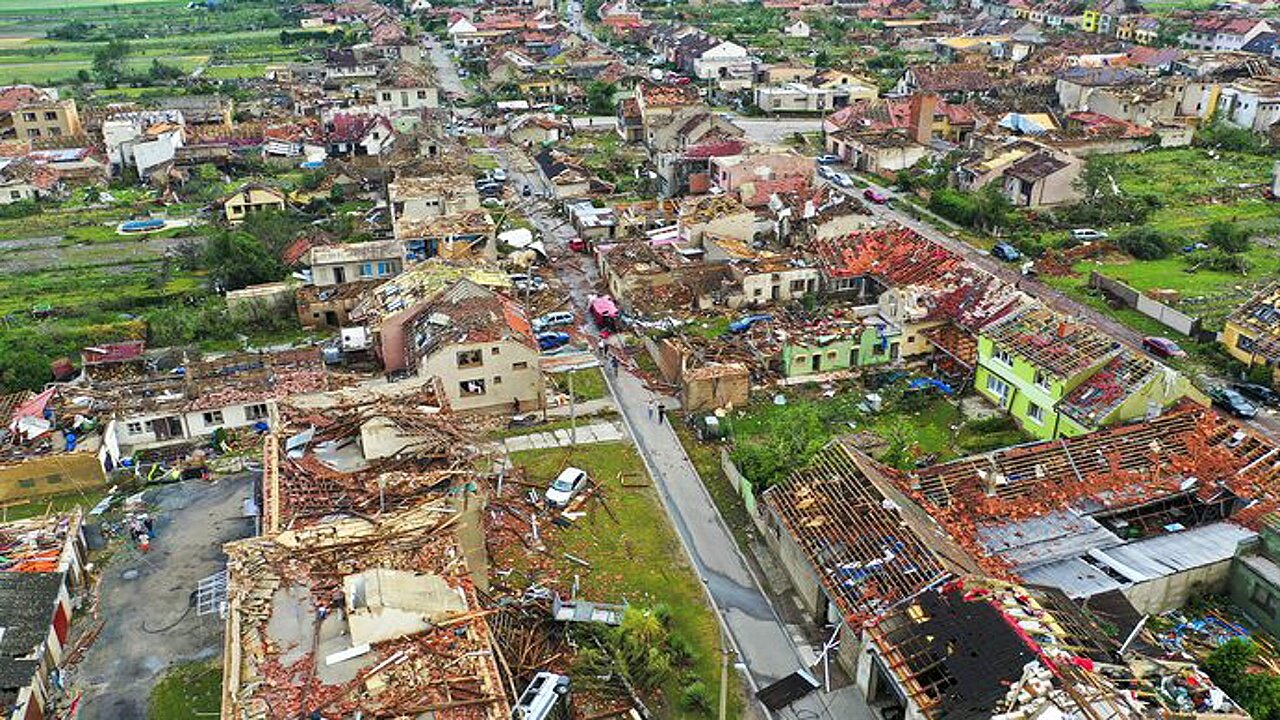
(1251, 334)
(249, 199)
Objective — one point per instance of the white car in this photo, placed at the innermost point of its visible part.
(498, 175)
(1087, 235)
(567, 484)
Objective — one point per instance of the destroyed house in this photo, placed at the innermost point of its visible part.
(188, 402)
(851, 543)
(1251, 334)
(357, 617)
(47, 446)
(466, 235)
(42, 562)
(346, 452)
(480, 347)
(1033, 364)
(1153, 509)
(919, 297)
(977, 648)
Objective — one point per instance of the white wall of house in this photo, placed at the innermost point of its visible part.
(487, 376)
(137, 429)
(393, 100)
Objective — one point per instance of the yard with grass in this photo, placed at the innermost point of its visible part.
(1194, 187)
(188, 692)
(588, 384)
(635, 557)
(912, 426)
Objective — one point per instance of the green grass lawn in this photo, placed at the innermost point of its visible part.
(53, 505)
(18, 7)
(637, 558)
(588, 384)
(189, 691)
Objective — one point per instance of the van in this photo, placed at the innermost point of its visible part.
(553, 319)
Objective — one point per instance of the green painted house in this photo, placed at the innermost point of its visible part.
(862, 346)
(1060, 378)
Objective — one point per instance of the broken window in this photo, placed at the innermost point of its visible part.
(997, 387)
(256, 412)
(213, 417)
(1036, 413)
(497, 379)
(520, 366)
(133, 428)
(470, 358)
(471, 387)
(1043, 381)
(1004, 357)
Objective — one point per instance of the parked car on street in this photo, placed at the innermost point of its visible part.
(1087, 235)
(1162, 347)
(825, 172)
(552, 319)
(498, 175)
(1260, 394)
(875, 196)
(527, 283)
(1233, 402)
(1006, 252)
(843, 180)
(568, 483)
(552, 340)
(828, 159)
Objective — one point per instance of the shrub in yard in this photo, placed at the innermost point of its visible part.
(1227, 236)
(1221, 261)
(1145, 244)
(696, 698)
(1259, 692)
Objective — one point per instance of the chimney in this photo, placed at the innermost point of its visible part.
(923, 106)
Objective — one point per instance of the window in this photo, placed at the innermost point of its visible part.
(422, 94)
(471, 387)
(1003, 357)
(15, 194)
(256, 412)
(1244, 342)
(520, 366)
(470, 358)
(1262, 597)
(997, 387)
(33, 132)
(29, 116)
(50, 115)
(55, 131)
(366, 270)
(384, 269)
(1035, 413)
(797, 286)
(1043, 381)
(213, 417)
(495, 350)
(386, 97)
(497, 379)
(133, 428)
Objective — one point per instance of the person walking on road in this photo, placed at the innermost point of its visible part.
(652, 406)
(662, 413)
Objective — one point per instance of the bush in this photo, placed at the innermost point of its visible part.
(20, 209)
(1258, 693)
(1145, 244)
(696, 698)
(1221, 261)
(1227, 236)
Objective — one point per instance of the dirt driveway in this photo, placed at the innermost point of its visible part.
(145, 597)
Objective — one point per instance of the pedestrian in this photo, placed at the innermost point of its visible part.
(614, 362)
(662, 413)
(652, 406)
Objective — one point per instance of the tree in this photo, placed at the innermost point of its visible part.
(1227, 236)
(22, 368)
(600, 97)
(1145, 244)
(237, 259)
(108, 61)
(274, 229)
(1228, 665)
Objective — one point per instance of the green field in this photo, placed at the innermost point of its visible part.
(36, 7)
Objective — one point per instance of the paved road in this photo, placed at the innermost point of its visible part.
(1265, 422)
(763, 641)
(767, 646)
(446, 69)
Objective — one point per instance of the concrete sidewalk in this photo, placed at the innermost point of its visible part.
(763, 641)
(598, 432)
